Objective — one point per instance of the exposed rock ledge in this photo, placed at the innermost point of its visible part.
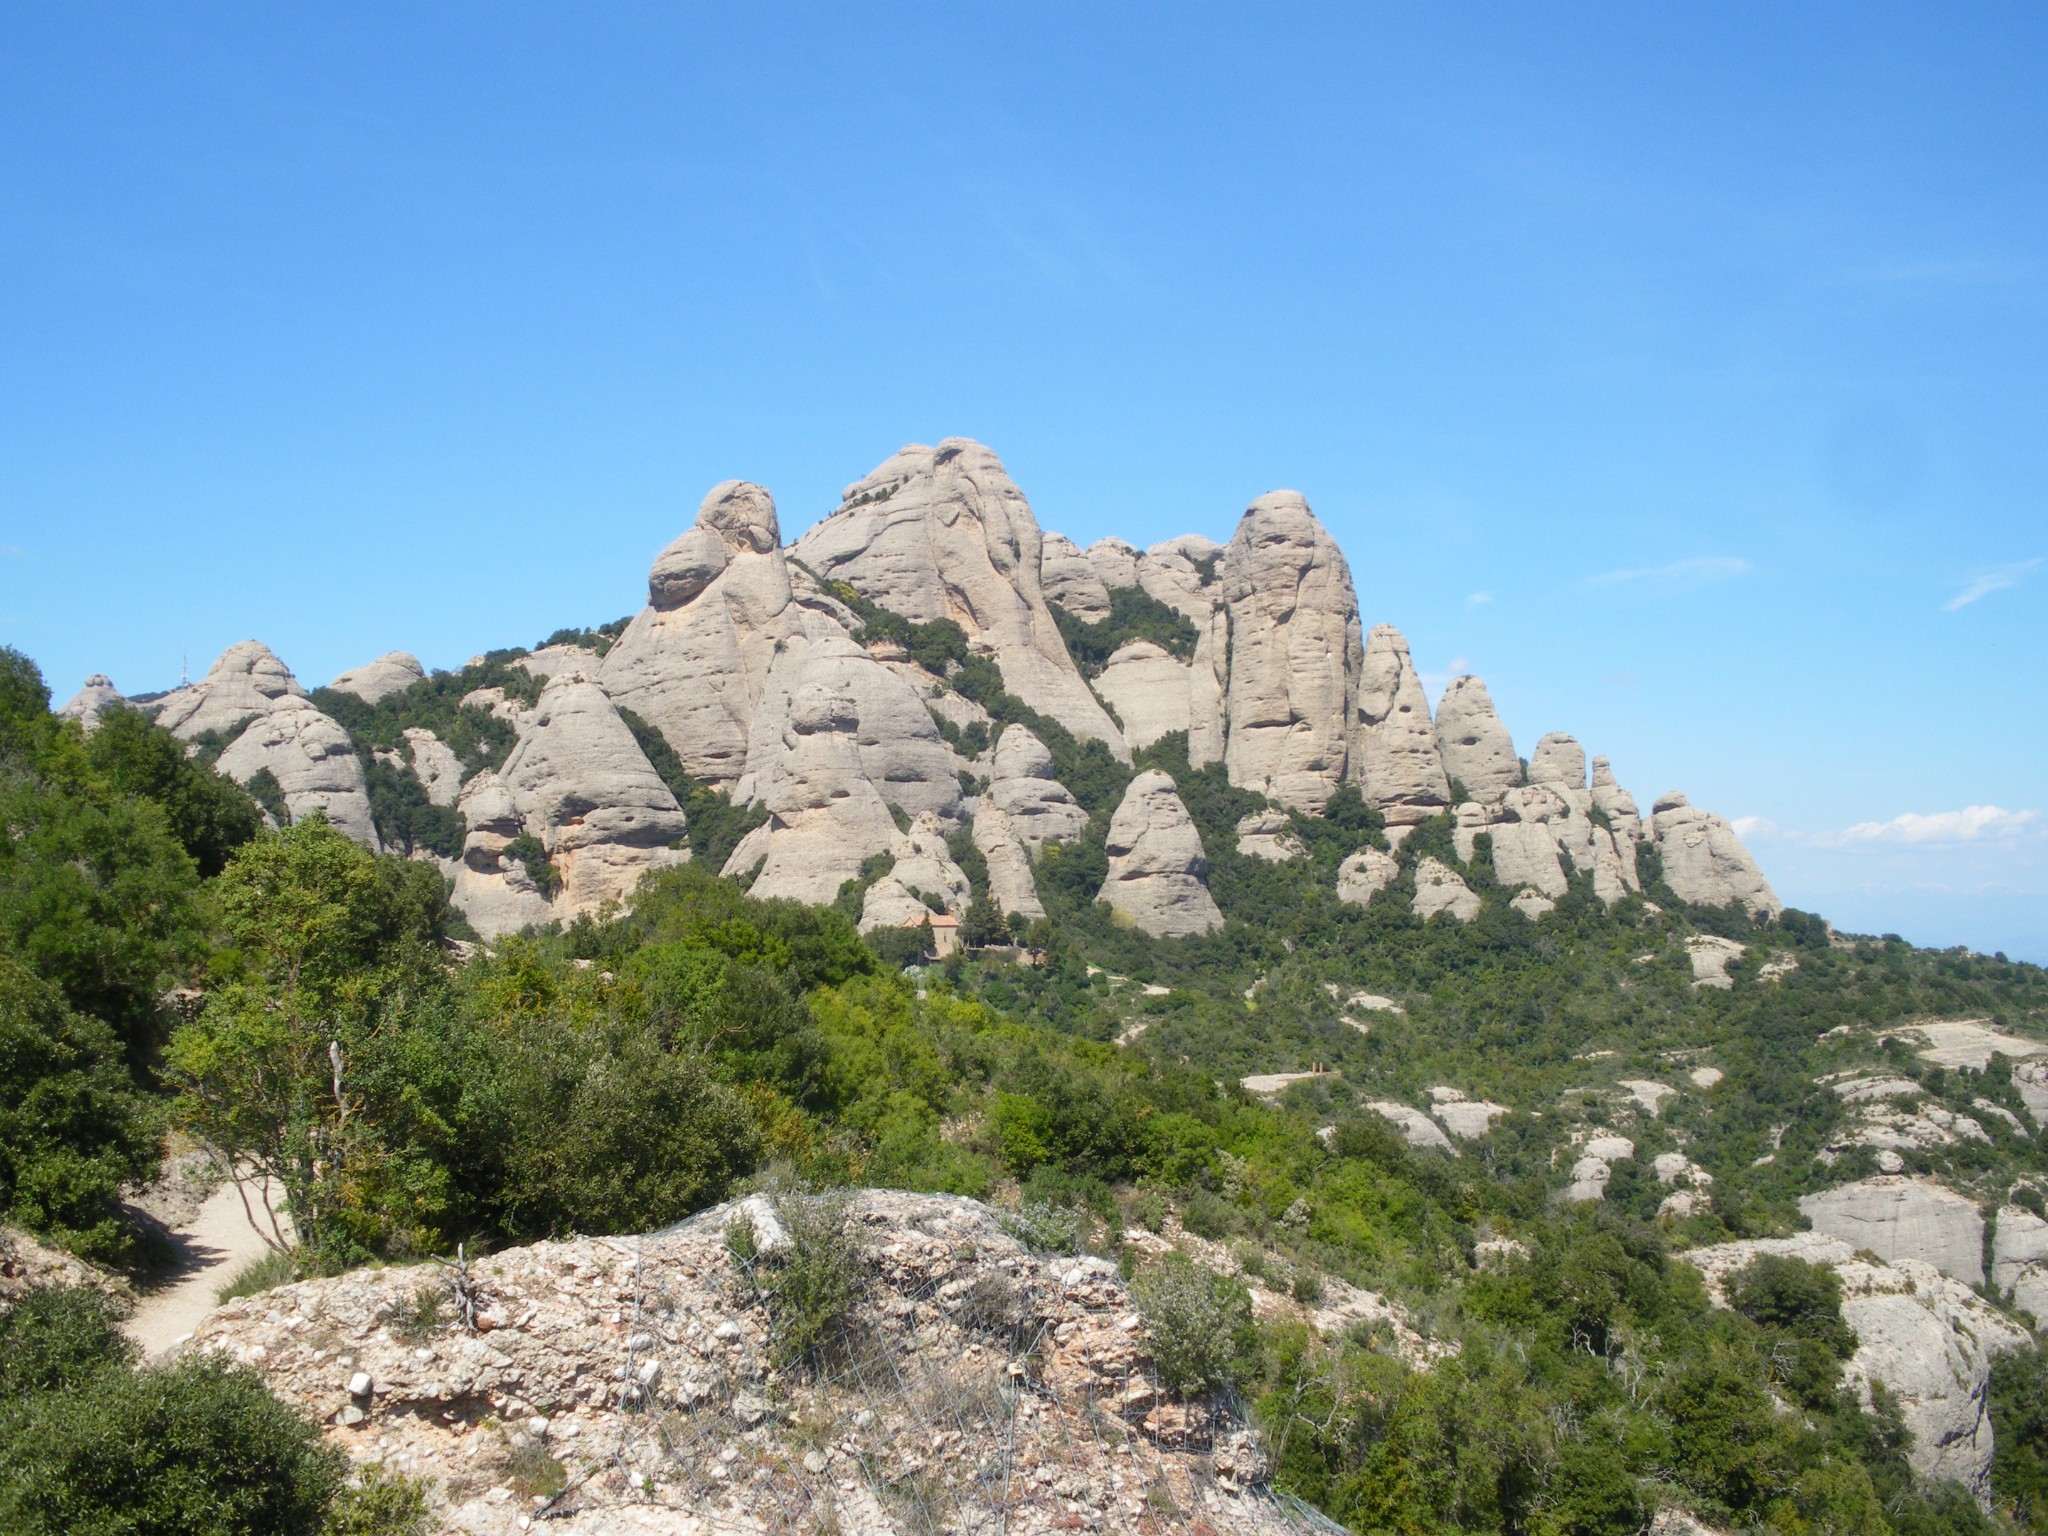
(1005, 1388)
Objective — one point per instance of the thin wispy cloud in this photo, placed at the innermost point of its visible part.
(1991, 581)
(1691, 572)
(1477, 598)
(1983, 825)
(12, 552)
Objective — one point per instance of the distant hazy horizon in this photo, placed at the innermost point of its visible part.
(1677, 373)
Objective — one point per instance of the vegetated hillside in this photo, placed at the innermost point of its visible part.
(1507, 1157)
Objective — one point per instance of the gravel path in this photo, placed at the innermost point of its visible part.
(215, 1245)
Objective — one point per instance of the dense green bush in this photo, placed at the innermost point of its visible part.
(1134, 614)
(1200, 1323)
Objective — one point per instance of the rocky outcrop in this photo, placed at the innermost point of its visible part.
(1465, 1118)
(1010, 882)
(85, 705)
(943, 533)
(825, 814)
(1183, 573)
(572, 1360)
(1148, 688)
(435, 765)
(1711, 955)
(496, 893)
(1270, 836)
(1525, 851)
(1295, 654)
(1397, 761)
(1416, 1128)
(694, 662)
(1559, 761)
(1705, 862)
(1438, 888)
(1068, 579)
(1476, 748)
(1114, 562)
(1925, 1336)
(1156, 865)
(2019, 1260)
(923, 868)
(393, 672)
(1903, 1218)
(1365, 874)
(587, 791)
(1039, 807)
(1619, 807)
(246, 681)
(313, 761)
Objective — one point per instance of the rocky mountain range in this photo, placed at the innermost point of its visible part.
(891, 679)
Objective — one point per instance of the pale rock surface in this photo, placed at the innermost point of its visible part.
(1971, 1043)
(1525, 851)
(945, 533)
(1705, 1077)
(1209, 692)
(1067, 578)
(564, 1364)
(1268, 835)
(1466, 1119)
(825, 815)
(1010, 882)
(1559, 761)
(1711, 956)
(98, 693)
(1439, 889)
(1156, 863)
(499, 705)
(1397, 762)
(1468, 820)
(1649, 1094)
(2031, 1079)
(1477, 750)
(2019, 1259)
(550, 659)
(1926, 1336)
(695, 662)
(587, 791)
(1415, 1127)
(1531, 905)
(246, 681)
(313, 761)
(1365, 874)
(435, 765)
(393, 672)
(1619, 806)
(1148, 689)
(1903, 1218)
(1705, 862)
(1172, 571)
(1114, 562)
(495, 893)
(1295, 654)
(1021, 785)
(924, 867)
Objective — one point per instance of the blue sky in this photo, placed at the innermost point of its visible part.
(1677, 369)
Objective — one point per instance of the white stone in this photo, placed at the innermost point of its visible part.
(98, 693)
(1418, 1129)
(1901, 1218)
(1477, 750)
(393, 672)
(1148, 689)
(1364, 874)
(1156, 864)
(1439, 889)
(1397, 762)
(1704, 860)
(1268, 835)
(245, 681)
(313, 761)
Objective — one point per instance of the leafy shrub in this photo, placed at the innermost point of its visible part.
(379, 1503)
(530, 851)
(1044, 1228)
(199, 1447)
(810, 1284)
(260, 1275)
(715, 825)
(1203, 1336)
(1134, 614)
(57, 1336)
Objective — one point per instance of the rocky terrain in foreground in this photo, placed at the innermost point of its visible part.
(763, 670)
(627, 1384)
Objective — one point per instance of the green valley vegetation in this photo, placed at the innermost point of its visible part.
(296, 1004)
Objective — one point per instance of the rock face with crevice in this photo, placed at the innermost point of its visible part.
(1477, 750)
(1149, 690)
(247, 680)
(1021, 784)
(1397, 762)
(1705, 862)
(1903, 1218)
(1157, 870)
(1295, 653)
(99, 693)
(1439, 888)
(314, 763)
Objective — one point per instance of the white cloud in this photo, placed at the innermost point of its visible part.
(1477, 598)
(1691, 572)
(1753, 827)
(1991, 581)
(1973, 823)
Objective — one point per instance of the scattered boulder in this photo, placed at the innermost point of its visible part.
(1477, 750)
(1466, 1119)
(1559, 761)
(1711, 956)
(1438, 888)
(393, 672)
(497, 894)
(1415, 1127)
(98, 693)
(1268, 835)
(1649, 1094)
(1295, 654)
(1365, 874)
(1156, 864)
(1904, 1218)
(1927, 1337)
(2019, 1259)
